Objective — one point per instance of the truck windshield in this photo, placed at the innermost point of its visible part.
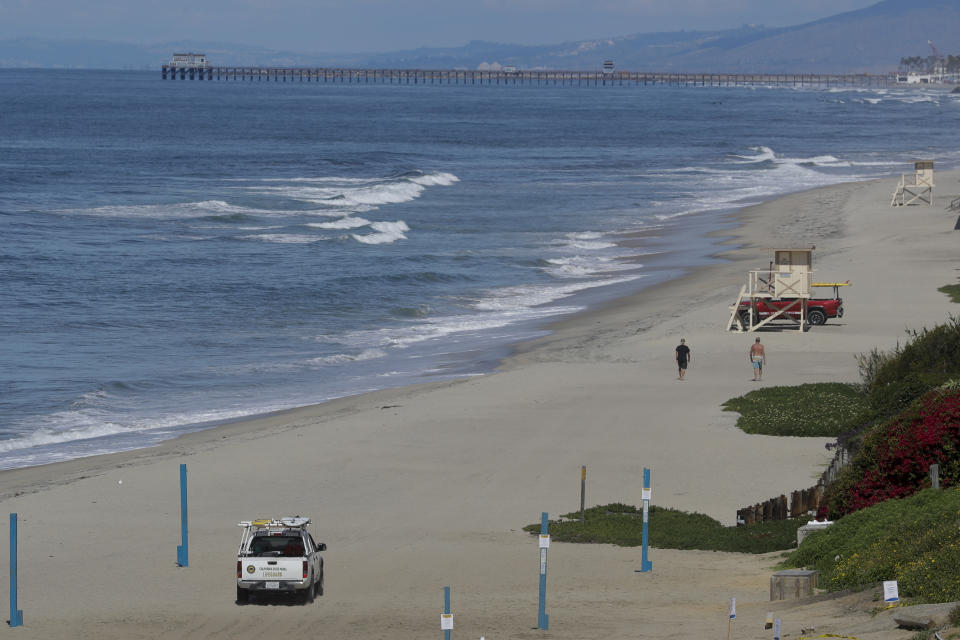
(277, 546)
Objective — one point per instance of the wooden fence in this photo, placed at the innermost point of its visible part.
(801, 502)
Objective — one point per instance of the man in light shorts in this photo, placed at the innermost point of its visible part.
(757, 357)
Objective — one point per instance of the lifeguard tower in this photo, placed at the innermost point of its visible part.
(779, 292)
(918, 187)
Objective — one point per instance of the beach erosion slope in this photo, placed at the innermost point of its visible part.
(418, 488)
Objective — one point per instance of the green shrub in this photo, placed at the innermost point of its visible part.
(952, 290)
(622, 525)
(914, 540)
(891, 398)
(929, 357)
(821, 410)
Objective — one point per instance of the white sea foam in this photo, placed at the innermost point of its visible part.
(284, 238)
(762, 154)
(335, 194)
(184, 210)
(386, 233)
(341, 358)
(352, 194)
(435, 179)
(407, 336)
(584, 241)
(579, 266)
(87, 424)
(512, 299)
(595, 246)
(347, 222)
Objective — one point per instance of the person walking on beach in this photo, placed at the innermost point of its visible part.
(683, 357)
(758, 357)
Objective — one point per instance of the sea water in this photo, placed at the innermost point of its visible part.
(178, 254)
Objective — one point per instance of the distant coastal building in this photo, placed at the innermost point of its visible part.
(189, 61)
(937, 77)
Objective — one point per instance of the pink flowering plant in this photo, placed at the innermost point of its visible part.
(896, 455)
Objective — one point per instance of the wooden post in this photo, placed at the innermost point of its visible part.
(935, 476)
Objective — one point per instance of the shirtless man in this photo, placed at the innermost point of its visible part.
(757, 357)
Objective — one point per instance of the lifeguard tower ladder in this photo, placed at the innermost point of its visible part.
(919, 187)
(786, 282)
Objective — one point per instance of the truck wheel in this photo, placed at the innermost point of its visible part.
(319, 585)
(816, 317)
(243, 596)
(745, 318)
(308, 594)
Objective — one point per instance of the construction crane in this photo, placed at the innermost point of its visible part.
(936, 54)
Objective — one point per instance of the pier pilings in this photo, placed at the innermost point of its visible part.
(511, 78)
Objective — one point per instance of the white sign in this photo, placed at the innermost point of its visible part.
(733, 608)
(544, 540)
(446, 621)
(776, 629)
(543, 561)
(890, 591)
(645, 494)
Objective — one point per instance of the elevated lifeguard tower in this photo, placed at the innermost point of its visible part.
(918, 187)
(782, 289)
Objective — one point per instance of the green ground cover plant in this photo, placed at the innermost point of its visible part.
(914, 540)
(622, 525)
(823, 409)
(952, 290)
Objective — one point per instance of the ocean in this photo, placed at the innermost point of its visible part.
(174, 255)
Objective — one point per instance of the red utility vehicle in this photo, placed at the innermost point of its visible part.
(819, 310)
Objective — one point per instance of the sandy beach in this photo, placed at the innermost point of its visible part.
(418, 488)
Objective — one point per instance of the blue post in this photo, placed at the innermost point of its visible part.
(446, 609)
(646, 565)
(183, 551)
(543, 620)
(16, 616)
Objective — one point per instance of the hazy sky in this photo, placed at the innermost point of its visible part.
(336, 26)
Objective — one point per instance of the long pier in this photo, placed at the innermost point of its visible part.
(502, 77)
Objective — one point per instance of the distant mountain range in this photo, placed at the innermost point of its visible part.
(871, 40)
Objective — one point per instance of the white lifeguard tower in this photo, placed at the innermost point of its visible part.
(918, 187)
(781, 292)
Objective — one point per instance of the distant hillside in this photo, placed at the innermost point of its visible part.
(871, 40)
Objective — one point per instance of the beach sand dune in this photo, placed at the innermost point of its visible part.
(418, 488)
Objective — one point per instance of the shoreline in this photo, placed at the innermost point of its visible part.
(424, 486)
(729, 222)
(496, 353)
(730, 251)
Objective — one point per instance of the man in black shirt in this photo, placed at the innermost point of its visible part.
(683, 357)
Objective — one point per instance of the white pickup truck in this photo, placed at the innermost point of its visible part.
(279, 556)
